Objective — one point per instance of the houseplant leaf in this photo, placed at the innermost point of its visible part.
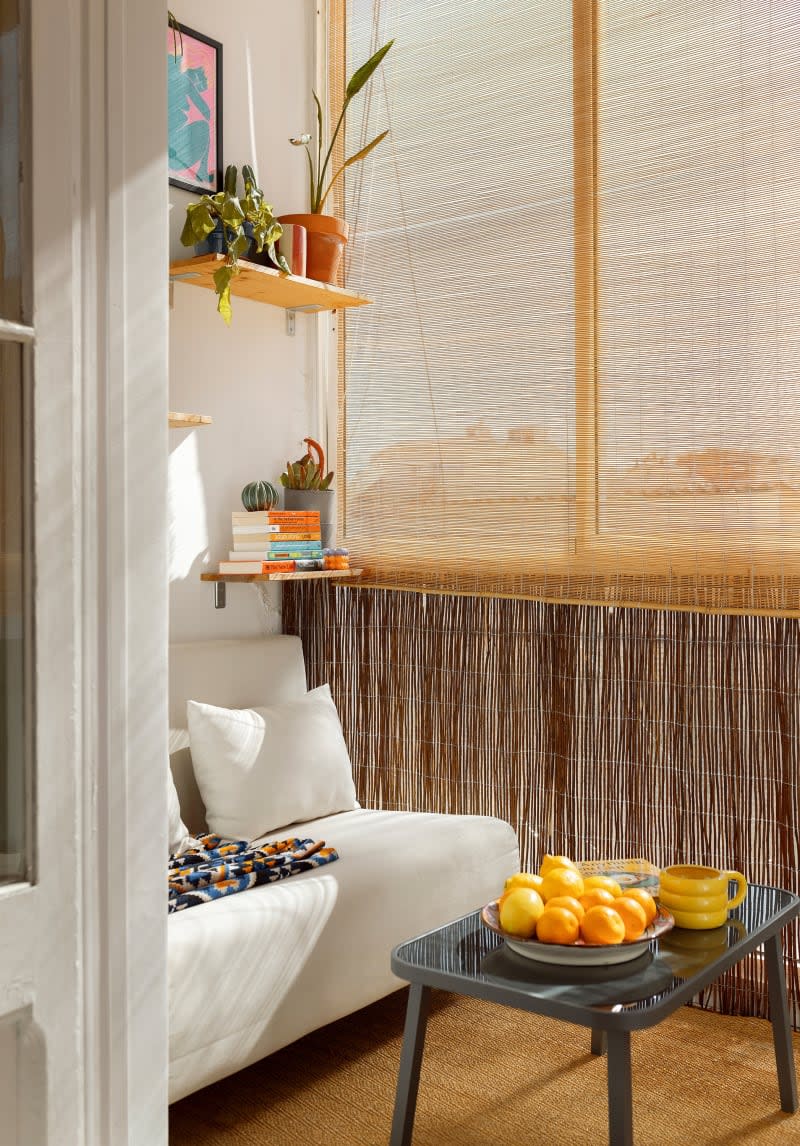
(359, 155)
(360, 77)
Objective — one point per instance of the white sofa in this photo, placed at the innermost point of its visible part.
(250, 973)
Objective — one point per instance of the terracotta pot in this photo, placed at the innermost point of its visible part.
(325, 240)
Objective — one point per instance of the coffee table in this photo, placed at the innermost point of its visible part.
(467, 958)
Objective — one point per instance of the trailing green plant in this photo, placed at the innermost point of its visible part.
(307, 472)
(231, 211)
(316, 175)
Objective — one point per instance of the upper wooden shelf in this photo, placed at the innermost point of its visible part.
(266, 285)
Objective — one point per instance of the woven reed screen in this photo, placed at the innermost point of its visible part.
(579, 379)
(598, 733)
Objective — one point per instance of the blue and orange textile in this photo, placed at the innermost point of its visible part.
(216, 867)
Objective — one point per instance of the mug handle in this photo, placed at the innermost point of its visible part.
(741, 893)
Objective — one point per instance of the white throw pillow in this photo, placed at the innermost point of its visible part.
(178, 832)
(264, 768)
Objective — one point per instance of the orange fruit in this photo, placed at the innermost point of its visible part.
(520, 912)
(604, 881)
(602, 925)
(599, 897)
(557, 925)
(633, 916)
(646, 900)
(561, 881)
(568, 901)
(549, 862)
(523, 879)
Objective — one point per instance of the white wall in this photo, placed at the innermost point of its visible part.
(255, 381)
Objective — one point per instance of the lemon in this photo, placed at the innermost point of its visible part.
(604, 881)
(549, 862)
(520, 912)
(562, 881)
(523, 879)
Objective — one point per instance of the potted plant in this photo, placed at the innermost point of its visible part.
(327, 234)
(227, 224)
(307, 487)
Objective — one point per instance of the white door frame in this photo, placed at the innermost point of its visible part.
(83, 950)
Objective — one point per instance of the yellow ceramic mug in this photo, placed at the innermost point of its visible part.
(698, 896)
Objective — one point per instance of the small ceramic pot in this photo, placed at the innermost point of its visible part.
(215, 244)
(292, 245)
(325, 241)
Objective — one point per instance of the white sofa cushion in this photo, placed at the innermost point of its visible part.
(250, 973)
(264, 768)
(177, 831)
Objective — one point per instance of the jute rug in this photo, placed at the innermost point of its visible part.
(491, 1075)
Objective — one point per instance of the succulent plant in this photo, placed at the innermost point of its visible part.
(307, 472)
(259, 495)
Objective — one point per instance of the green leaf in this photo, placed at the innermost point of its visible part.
(200, 221)
(359, 155)
(319, 139)
(188, 237)
(249, 178)
(238, 246)
(222, 283)
(326, 482)
(277, 259)
(360, 77)
(231, 174)
(310, 180)
(232, 214)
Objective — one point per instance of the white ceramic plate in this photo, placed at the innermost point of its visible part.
(580, 953)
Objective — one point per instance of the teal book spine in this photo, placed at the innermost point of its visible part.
(296, 546)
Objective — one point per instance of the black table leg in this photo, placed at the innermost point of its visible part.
(620, 1100)
(405, 1103)
(781, 1029)
(598, 1041)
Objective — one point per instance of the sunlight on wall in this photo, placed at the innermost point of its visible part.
(188, 528)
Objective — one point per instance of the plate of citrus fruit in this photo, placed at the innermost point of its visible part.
(561, 915)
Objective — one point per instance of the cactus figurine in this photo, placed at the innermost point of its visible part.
(259, 495)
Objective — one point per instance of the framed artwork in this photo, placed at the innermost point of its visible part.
(194, 71)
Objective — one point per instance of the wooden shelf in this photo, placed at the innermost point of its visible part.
(266, 285)
(186, 421)
(245, 578)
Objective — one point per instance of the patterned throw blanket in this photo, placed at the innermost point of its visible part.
(218, 867)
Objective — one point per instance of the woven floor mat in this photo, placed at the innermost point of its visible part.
(492, 1075)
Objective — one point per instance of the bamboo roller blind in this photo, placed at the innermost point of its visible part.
(580, 380)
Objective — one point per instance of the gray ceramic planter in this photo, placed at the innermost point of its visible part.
(323, 501)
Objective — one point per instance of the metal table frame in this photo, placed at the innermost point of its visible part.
(610, 1028)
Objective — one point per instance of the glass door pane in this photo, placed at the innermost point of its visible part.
(13, 832)
(11, 305)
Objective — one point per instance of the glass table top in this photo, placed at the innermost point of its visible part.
(465, 956)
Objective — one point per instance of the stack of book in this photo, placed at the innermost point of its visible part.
(274, 541)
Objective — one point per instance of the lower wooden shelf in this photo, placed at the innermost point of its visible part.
(179, 421)
(220, 581)
(319, 575)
